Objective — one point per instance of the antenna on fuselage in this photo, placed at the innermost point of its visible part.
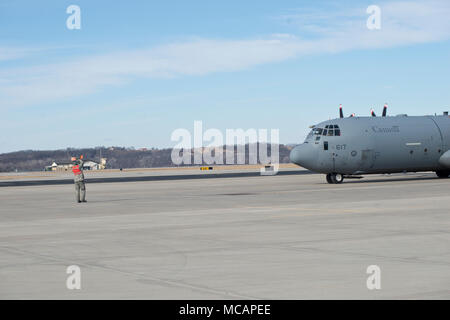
(385, 109)
(341, 113)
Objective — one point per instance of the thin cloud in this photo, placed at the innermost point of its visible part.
(10, 53)
(403, 23)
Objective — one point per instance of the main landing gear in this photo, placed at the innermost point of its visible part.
(443, 174)
(335, 178)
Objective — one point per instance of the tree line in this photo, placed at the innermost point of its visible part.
(117, 157)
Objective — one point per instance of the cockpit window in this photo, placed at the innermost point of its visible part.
(331, 130)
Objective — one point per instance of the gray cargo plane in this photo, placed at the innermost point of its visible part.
(353, 146)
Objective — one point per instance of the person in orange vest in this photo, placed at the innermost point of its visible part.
(80, 187)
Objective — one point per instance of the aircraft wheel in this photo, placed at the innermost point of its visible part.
(335, 178)
(329, 178)
(443, 174)
(338, 178)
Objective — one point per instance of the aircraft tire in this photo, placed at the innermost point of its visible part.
(443, 174)
(329, 178)
(335, 178)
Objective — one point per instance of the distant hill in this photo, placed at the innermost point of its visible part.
(117, 157)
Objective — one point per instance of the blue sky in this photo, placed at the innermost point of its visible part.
(138, 70)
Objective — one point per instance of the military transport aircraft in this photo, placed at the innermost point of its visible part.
(353, 146)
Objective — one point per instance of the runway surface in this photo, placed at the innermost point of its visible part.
(274, 237)
(108, 178)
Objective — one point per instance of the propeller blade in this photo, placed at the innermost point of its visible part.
(341, 113)
(385, 109)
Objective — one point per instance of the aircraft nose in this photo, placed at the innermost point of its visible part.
(303, 155)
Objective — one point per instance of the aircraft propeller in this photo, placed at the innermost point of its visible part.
(372, 112)
(341, 113)
(384, 111)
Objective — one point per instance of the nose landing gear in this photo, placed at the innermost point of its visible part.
(335, 178)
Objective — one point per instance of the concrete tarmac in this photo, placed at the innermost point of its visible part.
(272, 237)
(108, 178)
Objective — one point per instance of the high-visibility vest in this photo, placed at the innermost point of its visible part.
(76, 170)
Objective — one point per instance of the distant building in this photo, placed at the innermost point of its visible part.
(67, 166)
(90, 165)
(60, 166)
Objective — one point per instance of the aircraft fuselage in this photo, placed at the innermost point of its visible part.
(365, 145)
